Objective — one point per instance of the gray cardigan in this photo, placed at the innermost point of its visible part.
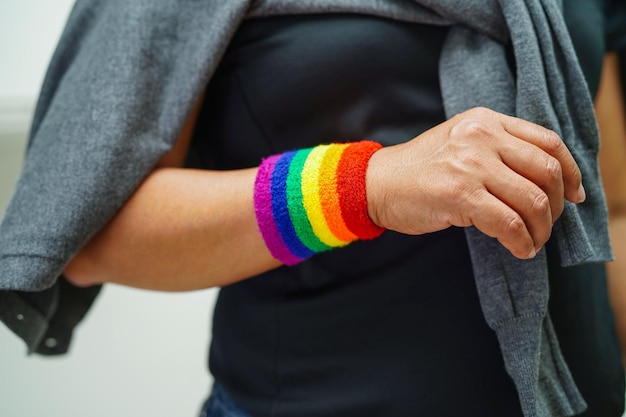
(122, 83)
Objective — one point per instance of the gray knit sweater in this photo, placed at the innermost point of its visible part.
(126, 74)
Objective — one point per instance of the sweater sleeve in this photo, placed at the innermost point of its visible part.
(118, 90)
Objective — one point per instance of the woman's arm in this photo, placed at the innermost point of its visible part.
(612, 121)
(182, 230)
(189, 229)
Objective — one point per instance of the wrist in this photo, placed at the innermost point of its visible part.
(375, 187)
(314, 199)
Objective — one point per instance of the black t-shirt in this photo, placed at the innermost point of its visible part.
(390, 327)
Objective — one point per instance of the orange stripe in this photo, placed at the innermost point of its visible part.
(328, 193)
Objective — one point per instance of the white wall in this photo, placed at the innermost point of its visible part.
(138, 353)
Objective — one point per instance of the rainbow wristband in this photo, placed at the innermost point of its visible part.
(312, 200)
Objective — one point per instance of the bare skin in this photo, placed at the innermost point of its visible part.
(611, 111)
(506, 176)
(188, 229)
(181, 230)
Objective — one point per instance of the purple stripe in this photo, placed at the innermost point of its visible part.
(264, 213)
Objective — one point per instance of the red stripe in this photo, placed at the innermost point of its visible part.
(351, 189)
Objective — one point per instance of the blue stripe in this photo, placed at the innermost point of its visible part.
(280, 208)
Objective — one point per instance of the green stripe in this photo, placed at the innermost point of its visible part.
(295, 203)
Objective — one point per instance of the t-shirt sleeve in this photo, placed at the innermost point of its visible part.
(616, 25)
(616, 34)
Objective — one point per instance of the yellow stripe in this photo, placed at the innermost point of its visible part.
(311, 196)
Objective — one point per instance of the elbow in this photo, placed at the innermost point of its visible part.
(82, 271)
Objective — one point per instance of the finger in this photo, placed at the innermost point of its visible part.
(551, 143)
(529, 201)
(496, 219)
(539, 167)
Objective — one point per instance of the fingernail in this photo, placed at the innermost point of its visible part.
(581, 193)
(532, 253)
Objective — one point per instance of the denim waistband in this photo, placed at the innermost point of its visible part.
(219, 404)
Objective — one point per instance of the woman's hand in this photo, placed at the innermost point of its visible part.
(506, 176)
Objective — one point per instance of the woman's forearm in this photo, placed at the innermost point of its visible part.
(616, 277)
(189, 229)
(611, 113)
(182, 230)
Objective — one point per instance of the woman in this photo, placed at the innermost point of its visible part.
(390, 326)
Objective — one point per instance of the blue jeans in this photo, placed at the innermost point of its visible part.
(220, 405)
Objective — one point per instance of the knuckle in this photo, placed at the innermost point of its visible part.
(467, 196)
(470, 128)
(512, 225)
(552, 141)
(480, 112)
(553, 171)
(468, 193)
(472, 158)
(573, 172)
(540, 205)
(473, 122)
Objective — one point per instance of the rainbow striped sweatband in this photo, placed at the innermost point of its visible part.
(313, 200)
